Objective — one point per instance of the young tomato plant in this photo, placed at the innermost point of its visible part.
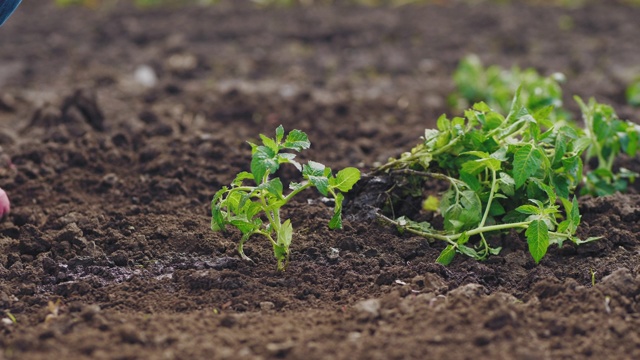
(607, 137)
(503, 173)
(255, 209)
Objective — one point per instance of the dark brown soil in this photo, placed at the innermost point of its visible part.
(108, 254)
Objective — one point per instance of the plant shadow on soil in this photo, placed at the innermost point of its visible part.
(108, 254)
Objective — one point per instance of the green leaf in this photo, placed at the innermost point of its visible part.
(447, 255)
(217, 216)
(526, 162)
(346, 178)
(470, 252)
(285, 234)
(270, 143)
(297, 140)
(560, 148)
(321, 183)
(463, 239)
(561, 184)
(472, 181)
(274, 187)
(574, 214)
(336, 220)
(473, 167)
(279, 134)
(528, 209)
(241, 177)
(263, 162)
(481, 106)
(243, 224)
(443, 123)
(289, 158)
(316, 174)
(506, 184)
(313, 168)
(538, 239)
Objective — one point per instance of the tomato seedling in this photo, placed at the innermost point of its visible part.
(256, 209)
(503, 173)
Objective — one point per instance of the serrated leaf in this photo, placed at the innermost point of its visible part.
(289, 158)
(346, 178)
(270, 143)
(447, 255)
(321, 183)
(263, 162)
(526, 162)
(528, 209)
(297, 140)
(313, 168)
(538, 239)
(336, 220)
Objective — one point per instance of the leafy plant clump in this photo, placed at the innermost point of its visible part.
(504, 172)
(255, 209)
(607, 135)
(496, 87)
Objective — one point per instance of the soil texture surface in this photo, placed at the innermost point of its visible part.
(117, 126)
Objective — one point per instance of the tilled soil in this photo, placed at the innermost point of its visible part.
(108, 253)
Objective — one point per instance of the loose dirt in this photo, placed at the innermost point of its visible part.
(122, 123)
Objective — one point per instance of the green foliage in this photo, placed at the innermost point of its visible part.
(247, 207)
(633, 93)
(496, 87)
(606, 137)
(504, 172)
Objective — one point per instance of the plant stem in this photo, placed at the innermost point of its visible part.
(451, 238)
(491, 194)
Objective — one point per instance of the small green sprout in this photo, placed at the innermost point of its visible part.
(256, 209)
